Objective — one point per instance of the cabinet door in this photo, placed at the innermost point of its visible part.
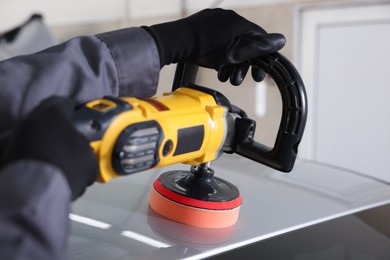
(344, 57)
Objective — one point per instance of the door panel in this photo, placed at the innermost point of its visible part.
(346, 65)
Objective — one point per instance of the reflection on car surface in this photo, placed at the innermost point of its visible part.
(278, 217)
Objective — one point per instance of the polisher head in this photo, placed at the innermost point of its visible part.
(196, 198)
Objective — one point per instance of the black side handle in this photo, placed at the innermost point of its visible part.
(294, 113)
(283, 155)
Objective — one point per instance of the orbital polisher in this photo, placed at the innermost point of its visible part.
(193, 125)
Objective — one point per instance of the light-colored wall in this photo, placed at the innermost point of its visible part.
(60, 12)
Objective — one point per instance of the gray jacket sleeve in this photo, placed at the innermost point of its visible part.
(34, 209)
(34, 196)
(119, 63)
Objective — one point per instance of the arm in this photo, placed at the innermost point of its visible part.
(119, 63)
(127, 62)
(33, 211)
(46, 164)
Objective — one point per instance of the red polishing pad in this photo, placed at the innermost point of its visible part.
(185, 235)
(196, 199)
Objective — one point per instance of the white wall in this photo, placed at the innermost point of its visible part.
(60, 12)
(345, 59)
(63, 12)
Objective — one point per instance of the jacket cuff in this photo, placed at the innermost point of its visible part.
(137, 60)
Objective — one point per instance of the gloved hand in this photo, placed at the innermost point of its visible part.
(47, 134)
(218, 39)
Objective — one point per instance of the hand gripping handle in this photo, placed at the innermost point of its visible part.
(282, 156)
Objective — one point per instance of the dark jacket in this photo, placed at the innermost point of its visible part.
(34, 196)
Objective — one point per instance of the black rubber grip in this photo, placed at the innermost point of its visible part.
(294, 113)
(283, 155)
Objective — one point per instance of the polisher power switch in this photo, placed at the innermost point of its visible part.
(93, 119)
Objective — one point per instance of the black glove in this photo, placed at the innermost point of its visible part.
(47, 134)
(218, 39)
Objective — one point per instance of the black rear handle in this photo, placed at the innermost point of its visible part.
(292, 124)
(293, 120)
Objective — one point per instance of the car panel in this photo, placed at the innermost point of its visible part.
(359, 236)
(274, 203)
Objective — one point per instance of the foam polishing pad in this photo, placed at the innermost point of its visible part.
(196, 198)
(186, 235)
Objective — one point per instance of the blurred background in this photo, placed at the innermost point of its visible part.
(341, 49)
